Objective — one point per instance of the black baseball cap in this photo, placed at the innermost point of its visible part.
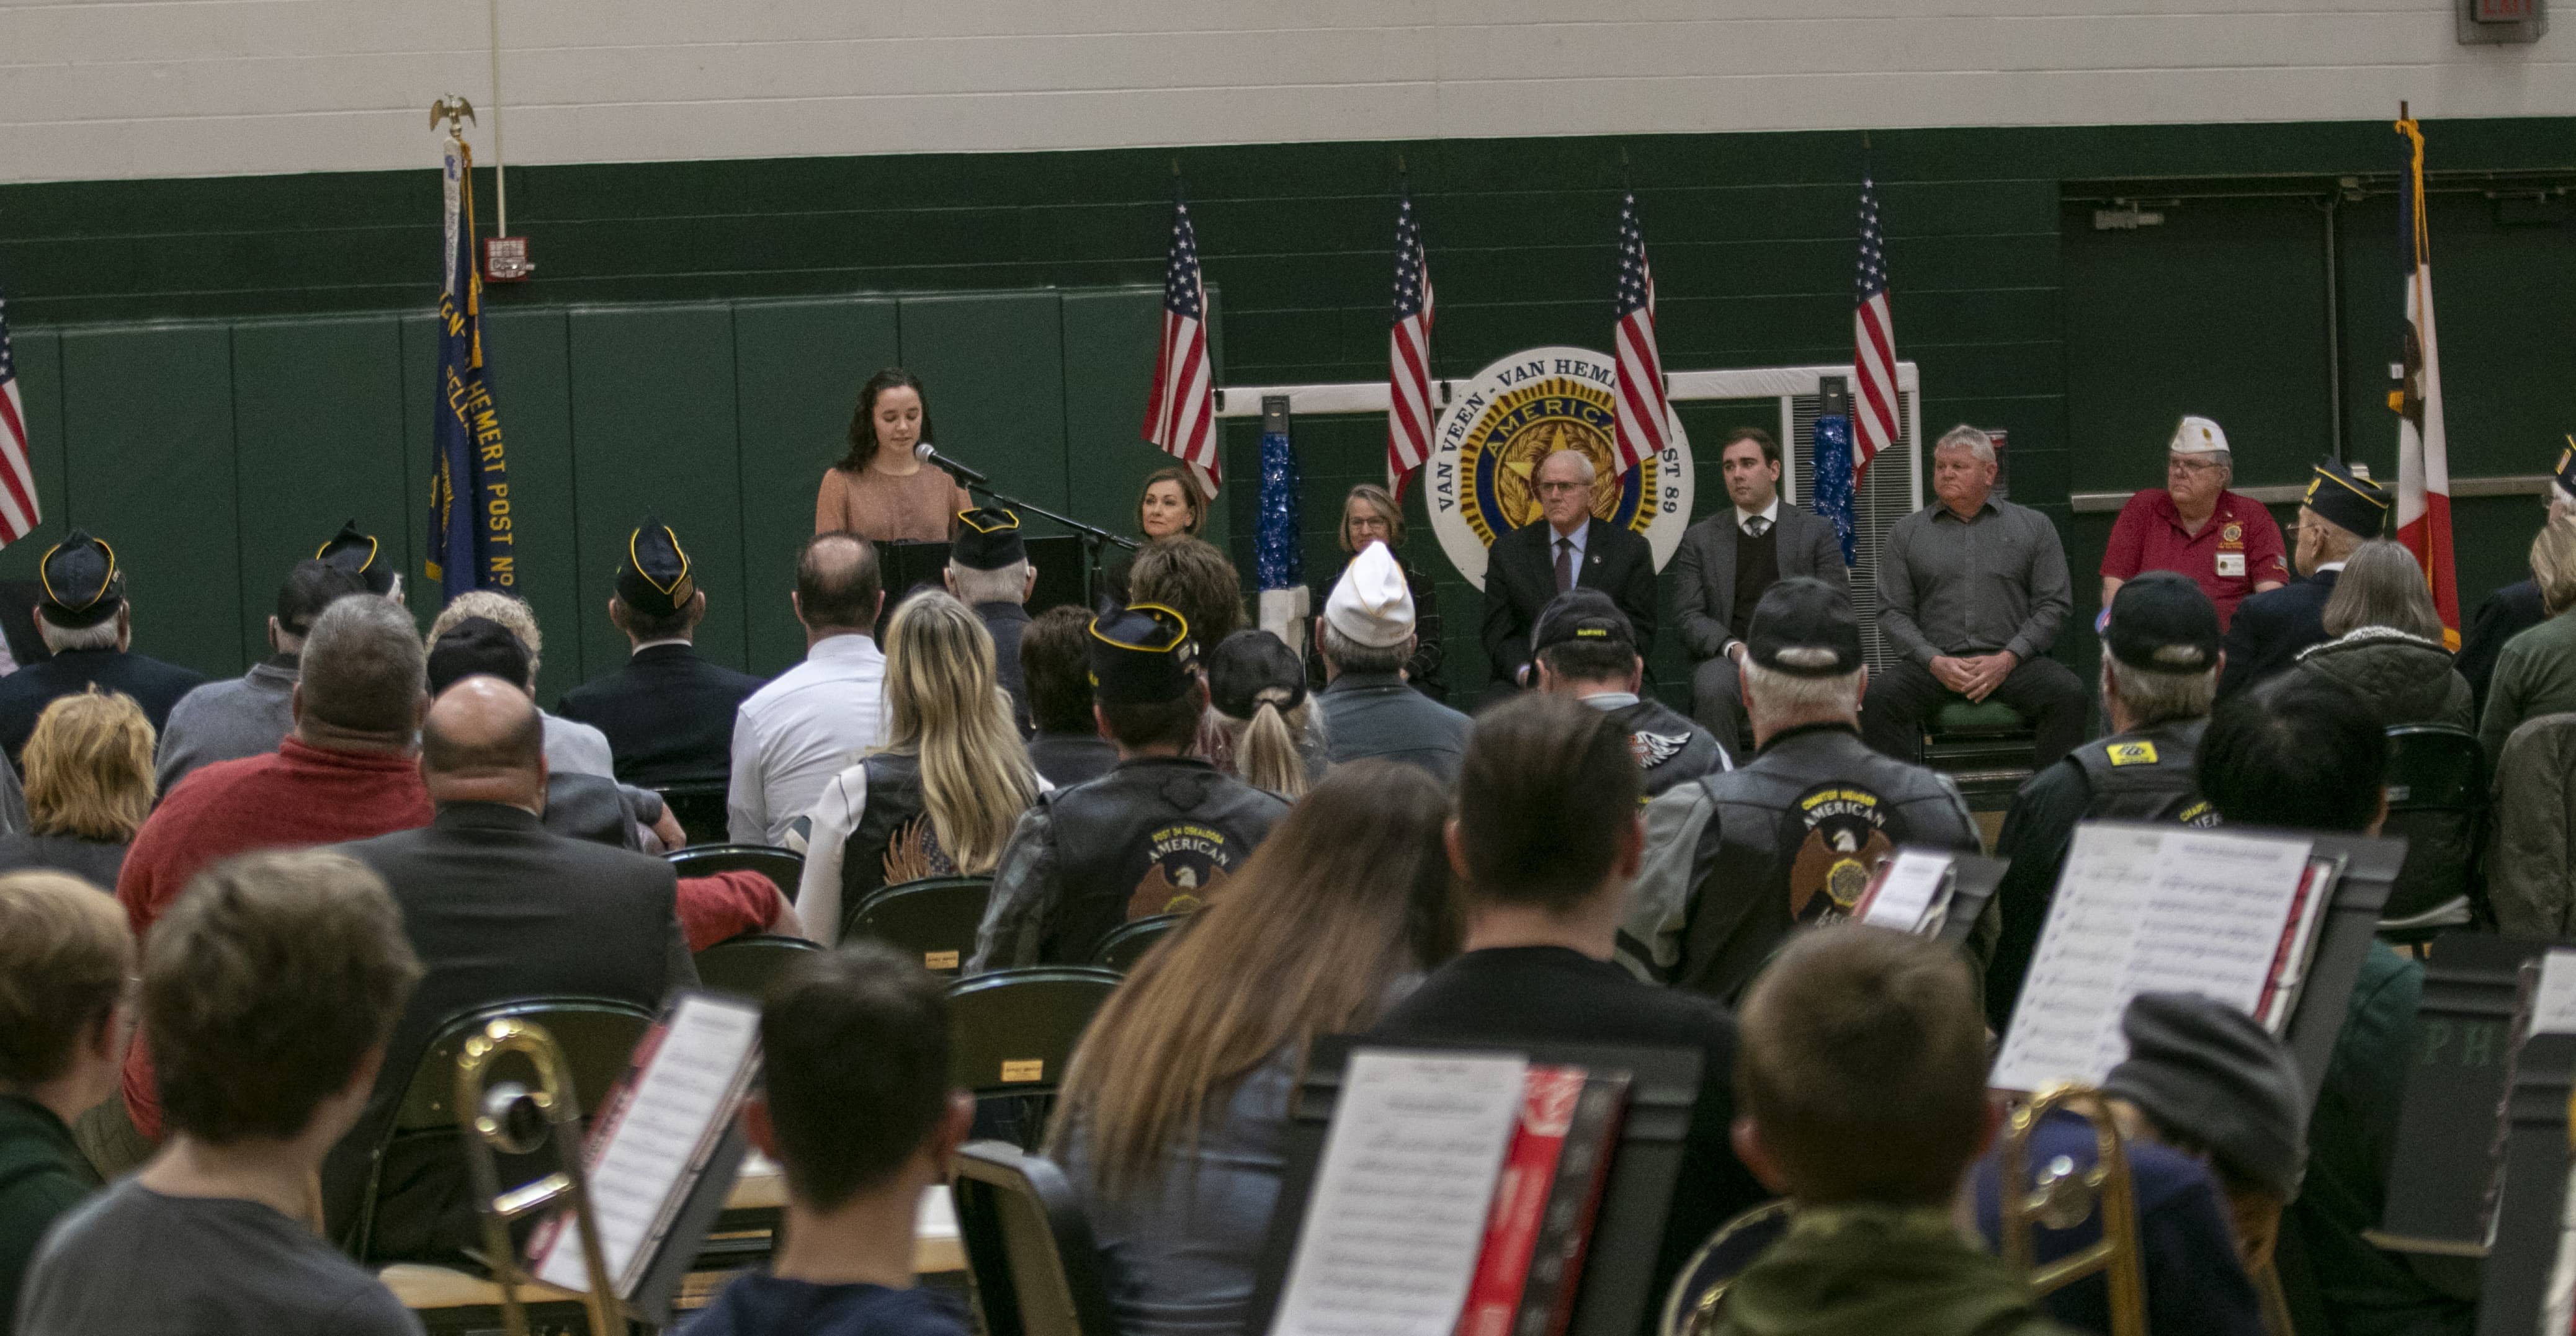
(655, 578)
(1142, 655)
(83, 584)
(2345, 499)
(1581, 613)
(2161, 622)
(988, 539)
(1250, 664)
(477, 645)
(358, 553)
(1805, 628)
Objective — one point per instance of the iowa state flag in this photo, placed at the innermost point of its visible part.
(2423, 457)
(471, 541)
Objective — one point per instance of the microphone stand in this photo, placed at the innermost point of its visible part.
(1095, 540)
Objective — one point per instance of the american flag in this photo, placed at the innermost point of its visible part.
(19, 514)
(1874, 343)
(1643, 409)
(1181, 415)
(1408, 367)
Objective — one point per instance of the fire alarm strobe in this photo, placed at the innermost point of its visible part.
(505, 260)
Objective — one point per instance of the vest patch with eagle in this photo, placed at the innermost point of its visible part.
(1831, 839)
(1186, 862)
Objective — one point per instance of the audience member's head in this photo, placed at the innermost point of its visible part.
(1547, 807)
(491, 605)
(856, 1099)
(1145, 684)
(313, 584)
(1584, 645)
(838, 587)
(2301, 751)
(362, 678)
(987, 563)
(1802, 659)
(2553, 563)
(89, 767)
(472, 646)
(946, 706)
(269, 989)
(359, 554)
(2203, 1078)
(1192, 578)
(83, 605)
(1258, 687)
(1349, 894)
(657, 595)
(1055, 665)
(65, 956)
(483, 742)
(1367, 626)
(1861, 1071)
(2382, 586)
(2340, 510)
(2160, 654)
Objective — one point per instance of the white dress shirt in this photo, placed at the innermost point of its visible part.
(1770, 513)
(791, 736)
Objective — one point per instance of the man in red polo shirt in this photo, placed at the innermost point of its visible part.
(2224, 540)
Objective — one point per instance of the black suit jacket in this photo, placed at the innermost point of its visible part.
(1520, 578)
(24, 694)
(497, 908)
(1005, 622)
(2272, 627)
(668, 715)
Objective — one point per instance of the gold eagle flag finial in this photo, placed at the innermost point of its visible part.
(455, 111)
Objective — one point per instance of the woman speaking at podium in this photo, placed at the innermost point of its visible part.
(881, 490)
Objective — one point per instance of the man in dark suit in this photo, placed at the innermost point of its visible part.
(2341, 510)
(84, 619)
(1566, 547)
(1725, 563)
(668, 713)
(496, 908)
(989, 571)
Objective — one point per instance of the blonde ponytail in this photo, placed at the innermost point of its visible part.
(1265, 754)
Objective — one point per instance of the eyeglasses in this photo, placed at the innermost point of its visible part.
(2190, 465)
(1551, 488)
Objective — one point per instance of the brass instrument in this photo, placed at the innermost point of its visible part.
(496, 1119)
(1698, 1294)
(2061, 1197)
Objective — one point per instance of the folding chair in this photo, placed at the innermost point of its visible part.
(748, 964)
(2437, 800)
(783, 866)
(597, 1035)
(1012, 1033)
(1982, 746)
(699, 806)
(935, 917)
(1027, 1245)
(1121, 949)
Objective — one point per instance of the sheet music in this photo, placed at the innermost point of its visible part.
(2558, 1302)
(1912, 887)
(2144, 909)
(1398, 1212)
(2553, 1007)
(680, 1102)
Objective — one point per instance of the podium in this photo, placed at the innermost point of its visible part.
(1064, 576)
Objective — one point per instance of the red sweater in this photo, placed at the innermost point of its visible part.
(295, 796)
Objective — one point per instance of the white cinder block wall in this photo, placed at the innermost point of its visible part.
(145, 88)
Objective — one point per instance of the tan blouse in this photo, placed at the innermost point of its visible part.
(884, 508)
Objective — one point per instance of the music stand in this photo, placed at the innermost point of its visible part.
(2535, 1188)
(1973, 879)
(2370, 866)
(2455, 1094)
(1615, 1295)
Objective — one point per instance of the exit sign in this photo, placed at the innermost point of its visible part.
(2500, 21)
(2506, 11)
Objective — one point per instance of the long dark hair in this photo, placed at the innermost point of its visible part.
(863, 421)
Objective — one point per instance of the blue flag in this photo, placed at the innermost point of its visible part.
(1831, 456)
(471, 541)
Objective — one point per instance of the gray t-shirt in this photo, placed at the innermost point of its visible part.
(135, 1262)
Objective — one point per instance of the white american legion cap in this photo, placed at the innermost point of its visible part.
(2197, 436)
(1369, 603)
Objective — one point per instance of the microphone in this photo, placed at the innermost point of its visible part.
(929, 454)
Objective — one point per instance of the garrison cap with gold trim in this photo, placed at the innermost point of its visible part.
(988, 539)
(655, 578)
(83, 584)
(1142, 655)
(2346, 499)
(357, 553)
(2565, 473)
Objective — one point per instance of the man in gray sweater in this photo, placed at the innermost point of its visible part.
(249, 714)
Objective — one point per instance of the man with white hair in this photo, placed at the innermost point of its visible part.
(1971, 593)
(1565, 547)
(989, 571)
(1792, 836)
(88, 626)
(1365, 638)
(2516, 608)
(2224, 540)
(2161, 662)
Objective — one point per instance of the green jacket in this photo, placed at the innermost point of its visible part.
(42, 1175)
(1879, 1271)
